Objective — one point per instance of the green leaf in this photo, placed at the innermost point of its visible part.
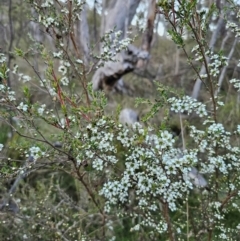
(19, 52)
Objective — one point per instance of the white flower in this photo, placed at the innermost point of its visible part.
(25, 236)
(41, 109)
(203, 76)
(1, 146)
(11, 96)
(64, 81)
(236, 83)
(52, 92)
(3, 58)
(24, 78)
(98, 164)
(101, 122)
(62, 69)
(15, 69)
(57, 54)
(79, 61)
(2, 87)
(135, 228)
(195, 48)
(199, 58)
(23, 107)
(48, 21)
(188, 105)
(48, 3)
(35, 152)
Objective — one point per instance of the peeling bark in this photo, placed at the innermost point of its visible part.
(106, 77)
(109, 76)
(148, 34)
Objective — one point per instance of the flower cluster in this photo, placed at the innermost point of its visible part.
(215, 137)
(188, 105)
(24, 78)
(63, 68)
(7, 94)
(23, 107)
(236, 83)
(112, 45)
(41, 109)
(216, 62)
(198, 55)
(233, 27)
(153, 170)
(48, 85)
(3, 58)
(34, 153)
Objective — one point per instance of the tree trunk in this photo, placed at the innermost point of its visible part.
(222, 75)
(220, 25)
(148, 34)
(83, 33)
(122, 10)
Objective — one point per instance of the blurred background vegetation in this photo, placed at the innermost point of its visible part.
(52, 201)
